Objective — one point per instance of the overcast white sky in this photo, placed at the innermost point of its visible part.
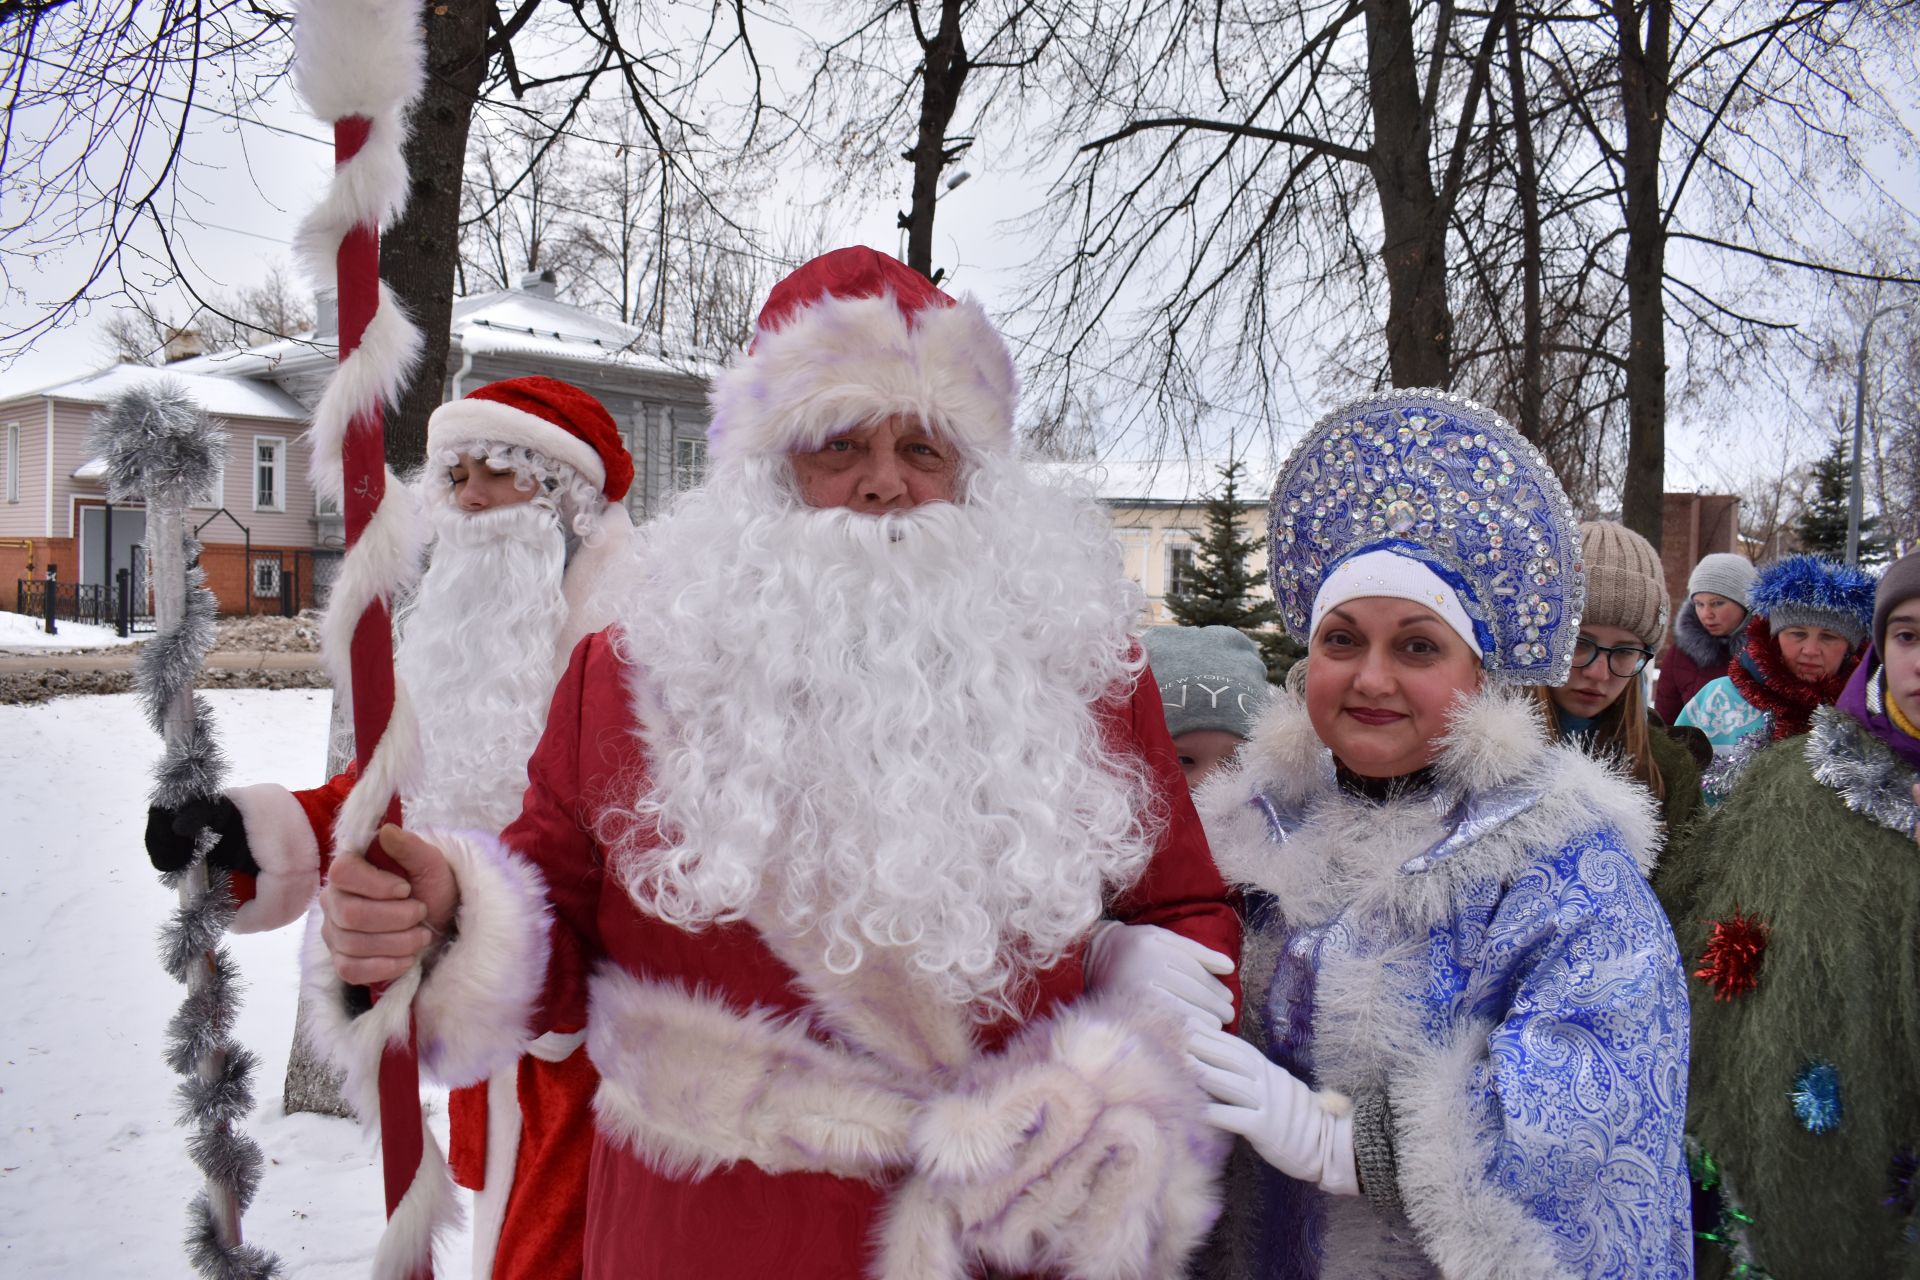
(246, 186)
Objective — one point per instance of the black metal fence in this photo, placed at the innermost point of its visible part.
(124, 606)
(73, 601)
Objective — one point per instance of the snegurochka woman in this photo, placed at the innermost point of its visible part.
(1465, 1023)
(1798, 904)
(1602, 707)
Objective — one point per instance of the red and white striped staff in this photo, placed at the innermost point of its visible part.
(359, 64)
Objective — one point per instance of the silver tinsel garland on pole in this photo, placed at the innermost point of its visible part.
(159, 445)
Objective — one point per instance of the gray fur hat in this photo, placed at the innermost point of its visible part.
(1209, 678)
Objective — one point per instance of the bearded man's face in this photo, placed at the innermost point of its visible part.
(891, 464)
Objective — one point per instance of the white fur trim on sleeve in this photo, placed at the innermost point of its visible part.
(479, 995)
(1466, 1224)
(282, 842)
(840, 362)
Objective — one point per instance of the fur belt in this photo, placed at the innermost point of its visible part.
(1078, 1149)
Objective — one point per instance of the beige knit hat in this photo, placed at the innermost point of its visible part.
(1626, 586)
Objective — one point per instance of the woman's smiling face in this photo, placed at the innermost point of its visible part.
(1385, 674)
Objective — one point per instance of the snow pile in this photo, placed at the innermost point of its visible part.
(94, 1175)
(22, 634)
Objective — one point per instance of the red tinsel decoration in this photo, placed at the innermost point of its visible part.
(1731, 962)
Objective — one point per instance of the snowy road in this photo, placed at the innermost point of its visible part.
(94, 1176)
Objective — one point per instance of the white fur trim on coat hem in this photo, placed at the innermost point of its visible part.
(429, 1210)
(503, 1156)
(691, 1084)
(282, 842)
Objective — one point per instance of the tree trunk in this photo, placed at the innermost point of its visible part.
(1644, 73)
(418, 254)
(314, 1084)
(943, 74)
(1529, 192)
(1414, 248)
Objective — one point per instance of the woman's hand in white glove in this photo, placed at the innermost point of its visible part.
(1146, 960)
(1303, 1133)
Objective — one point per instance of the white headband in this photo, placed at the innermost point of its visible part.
(1397, 577)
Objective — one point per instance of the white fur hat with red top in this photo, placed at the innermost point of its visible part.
(855, 335)
(550, 417)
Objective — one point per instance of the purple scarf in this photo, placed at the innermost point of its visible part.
(1853, 701)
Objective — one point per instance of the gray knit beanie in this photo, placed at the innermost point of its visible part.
(1724, 574)
(1625, 585)
(1900, 582)
(1209, 677)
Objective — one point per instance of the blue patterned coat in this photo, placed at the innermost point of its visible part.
(1483, 969)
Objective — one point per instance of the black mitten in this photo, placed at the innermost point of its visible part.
(166, 849)
(173, 834)
(222, 817)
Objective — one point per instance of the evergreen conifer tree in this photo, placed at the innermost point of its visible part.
(1219, 591)
(1822, 525)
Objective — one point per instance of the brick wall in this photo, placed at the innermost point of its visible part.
(226, 568)
(227, 577)
(1694, 525)
(13, 565)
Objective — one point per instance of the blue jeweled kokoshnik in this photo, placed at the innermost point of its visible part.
(1440, 479)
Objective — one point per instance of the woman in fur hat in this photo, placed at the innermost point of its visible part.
(1465, 1023)
(1798, 905)
(1810, 616)
(1706, 631)
(1602, 707)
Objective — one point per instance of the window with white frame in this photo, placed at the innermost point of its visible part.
(269, 473)
(689, 462)
(266, 578)
(13, 462)
(1180, 566)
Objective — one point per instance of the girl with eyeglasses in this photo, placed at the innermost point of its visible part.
(1603, 705)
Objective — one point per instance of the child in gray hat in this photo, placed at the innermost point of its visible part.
(1213, 684)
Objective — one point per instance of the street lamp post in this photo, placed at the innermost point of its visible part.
(1860, 429)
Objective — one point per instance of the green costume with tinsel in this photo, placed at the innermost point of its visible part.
(1681, 774)
(1797, 909)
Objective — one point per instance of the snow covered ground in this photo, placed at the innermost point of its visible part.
(94, 1175)
(21, 634)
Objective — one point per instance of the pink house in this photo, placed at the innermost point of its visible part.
(260, 528)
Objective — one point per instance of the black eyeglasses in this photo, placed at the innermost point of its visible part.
(1623, 660)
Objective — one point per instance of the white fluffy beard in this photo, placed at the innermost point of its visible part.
(476, 654)
(881, 731)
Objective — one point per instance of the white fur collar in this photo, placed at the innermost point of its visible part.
(1343, 851)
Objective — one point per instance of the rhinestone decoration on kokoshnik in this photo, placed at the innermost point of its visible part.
(1446, 481)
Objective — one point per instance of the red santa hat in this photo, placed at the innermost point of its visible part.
(855, 335)
(550, 417)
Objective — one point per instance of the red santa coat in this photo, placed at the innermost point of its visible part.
(657, 1217)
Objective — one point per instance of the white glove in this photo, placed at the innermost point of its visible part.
(1176, 971)
(1302, 1132)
